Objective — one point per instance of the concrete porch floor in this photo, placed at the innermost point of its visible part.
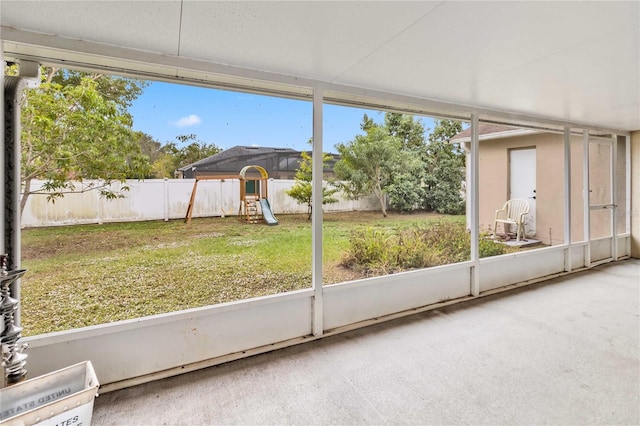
(566, 351)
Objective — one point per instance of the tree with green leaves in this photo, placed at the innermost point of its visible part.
(415, 174)
(161, 164)
(301, 191)
(405, 191)
(409, 129)
(76, 127)
(148, 146)
(369, 162)
(444, 170)
(192, 150)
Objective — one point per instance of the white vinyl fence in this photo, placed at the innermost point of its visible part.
(166, 199)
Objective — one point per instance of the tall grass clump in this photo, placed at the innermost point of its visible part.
(384, 251)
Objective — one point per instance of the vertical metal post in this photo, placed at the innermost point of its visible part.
(475, 206)
(613, 164)
(627, 215)
(3, 183)
(614, 197)
(586, 199)
(316, 214)
(11, 201)
(567, 198)
(467, 160)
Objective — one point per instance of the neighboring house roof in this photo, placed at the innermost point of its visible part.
(280, 163)
(235, 152)
(492, 131)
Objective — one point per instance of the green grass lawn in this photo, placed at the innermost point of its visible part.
(92, 274)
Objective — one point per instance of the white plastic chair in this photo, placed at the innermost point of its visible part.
(512, 213)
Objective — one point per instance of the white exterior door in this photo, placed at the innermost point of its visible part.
(600, 199)
(522, 183)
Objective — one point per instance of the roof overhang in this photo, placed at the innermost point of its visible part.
(499, 135)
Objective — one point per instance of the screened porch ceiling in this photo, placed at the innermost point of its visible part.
(576, 62)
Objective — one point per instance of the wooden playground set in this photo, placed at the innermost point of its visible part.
(254, 201)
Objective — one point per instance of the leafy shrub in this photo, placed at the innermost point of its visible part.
(369, 247)
(490, 248)
(384, 251)
(405, 193)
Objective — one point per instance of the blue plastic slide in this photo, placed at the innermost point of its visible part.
(267, 214)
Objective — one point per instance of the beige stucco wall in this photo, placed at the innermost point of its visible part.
(494, 181)
(494, 184)
(635, 194)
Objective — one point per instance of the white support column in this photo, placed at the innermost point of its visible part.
(627, 215)
(612, 200)
(467, 178)
(316, 214)
(475, 206)
(586, 199)
(567, 198)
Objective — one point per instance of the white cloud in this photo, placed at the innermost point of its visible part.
(190, 120)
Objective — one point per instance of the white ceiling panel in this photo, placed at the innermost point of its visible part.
(576, 61)
(580, 84)
(461, 45)
(144, 25)
(318, 40)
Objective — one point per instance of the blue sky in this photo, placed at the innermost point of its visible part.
(227, 119)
